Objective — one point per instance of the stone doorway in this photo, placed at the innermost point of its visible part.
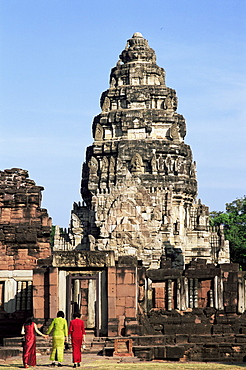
(86, 294)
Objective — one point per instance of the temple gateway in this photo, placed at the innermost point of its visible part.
(139, 259)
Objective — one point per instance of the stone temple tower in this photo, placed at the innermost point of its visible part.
(139, 182)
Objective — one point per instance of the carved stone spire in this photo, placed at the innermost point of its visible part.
(139, 179)
(140, 110)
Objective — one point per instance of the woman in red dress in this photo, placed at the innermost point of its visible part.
(29, 345)
(77, 332)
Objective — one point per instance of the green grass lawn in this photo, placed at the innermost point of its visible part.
(104, 364)
(165, 366)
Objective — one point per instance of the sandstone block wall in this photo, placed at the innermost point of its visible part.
(122, 298)
(24, 225)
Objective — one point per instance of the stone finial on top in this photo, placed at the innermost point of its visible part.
(137, 34)
(137, 49)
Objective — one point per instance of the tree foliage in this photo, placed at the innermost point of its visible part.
(52, 234)
(234, 221)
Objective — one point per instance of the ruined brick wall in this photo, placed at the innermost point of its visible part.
(24, 226)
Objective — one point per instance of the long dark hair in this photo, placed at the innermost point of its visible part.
(29, 320)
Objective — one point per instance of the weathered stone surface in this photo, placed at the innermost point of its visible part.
(83, 259)
(139, 258)
(139, 179)
(24, 225)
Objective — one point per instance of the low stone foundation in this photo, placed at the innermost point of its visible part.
(198, 335)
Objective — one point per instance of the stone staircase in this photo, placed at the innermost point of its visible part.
(13, 346)
(94, 344)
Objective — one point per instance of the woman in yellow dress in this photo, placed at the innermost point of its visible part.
(59, 330)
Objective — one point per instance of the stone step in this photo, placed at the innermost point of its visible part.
(12, 342)
(7, 352)
(94, 345)
(17, 341)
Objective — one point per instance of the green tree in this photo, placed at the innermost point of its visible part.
(52, 234)
(234, 221)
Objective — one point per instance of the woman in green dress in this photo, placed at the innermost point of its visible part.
(59, 330)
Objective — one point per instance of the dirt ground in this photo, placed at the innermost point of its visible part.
(93, 361)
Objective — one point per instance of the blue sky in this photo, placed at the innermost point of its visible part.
(56, 57)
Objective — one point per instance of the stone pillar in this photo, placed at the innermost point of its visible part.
(29, 295)
(211, 298)
(149, 295)
(195, 293)
(18, 296)
(244, 286)
(39, 298)
(169, 295)
(104, 304)
(99, 295)
(112, 319)
(91, 303)
(76, 295)
(53, 291)
(191, 302)
(185, 294)
(62, 290)
(10, 288)
(241, 295)
(220, 293)
(23, 297)
(178, 294)
(216, 304)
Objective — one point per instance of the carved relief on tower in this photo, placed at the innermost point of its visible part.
(154, 164)
(106, 104)
(130, 222)
(104, 167)
(170, 103)
(179, 165)
(202, 217)
(112, 166)
(99, 133)
(137, 77)
(113, 82)
(76, 231)
(137, 99)
(161, 164)
(181, 124)
(137, 164)
(119, 165)
(174, 132)
(169, 165)
(193, 170)
(93, 166)
(162, 78)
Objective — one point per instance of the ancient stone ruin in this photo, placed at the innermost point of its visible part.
(139, 179)
(139, 259)
(24, 239)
